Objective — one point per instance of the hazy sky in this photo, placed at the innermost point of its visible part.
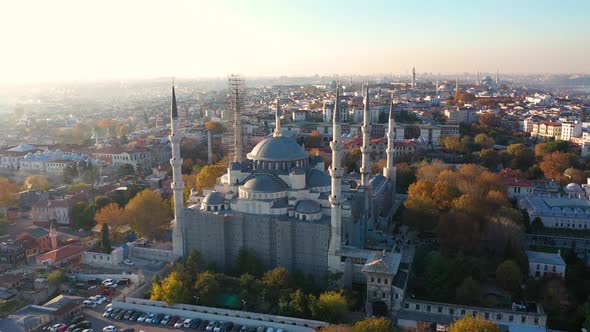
(48, 40)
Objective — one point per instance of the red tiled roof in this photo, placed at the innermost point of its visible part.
(516, 182)
(62, 253)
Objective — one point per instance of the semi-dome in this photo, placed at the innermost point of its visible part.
(318, 178)
(213, 198)
(308, 206)
(277, 149)
(263, 183)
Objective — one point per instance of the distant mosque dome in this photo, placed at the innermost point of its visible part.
(213, 198)
(277, 149)
(489, 83)
(308, 206)
(445, 87)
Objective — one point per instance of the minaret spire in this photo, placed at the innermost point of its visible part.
(457, 85)
(389, 170)
(277, 132)
(497, 76)
(335, 198)
(366, 147)
(413, 77)
(178, 245)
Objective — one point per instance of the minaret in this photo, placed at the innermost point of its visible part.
(277, 132)
(366, 148)
(497, 76)
(457, 85)
(334, 264)
(437, 82)
(476, 78)
(413, 77)
(53, 236)
(389, 169)
(209, 147)
(237, 127)
(178, 246)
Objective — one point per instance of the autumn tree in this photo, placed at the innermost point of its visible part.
(554, 165)
(351, 160)
(470, 323)
(488, 120)
(112, 215)
(101, 201)
(170, 290)
(148, 215)
(373, 324)
(294, 304)
(214, 127)
(314, 140)
(337, 328)
(489, 158)
(331, 306)
(207, 288)
(36, 182)
(8, 193)
(208, 176)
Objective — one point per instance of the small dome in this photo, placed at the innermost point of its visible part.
(213, 198)
(277, 149)
(263, 183)
(317, 178)
(308, 206)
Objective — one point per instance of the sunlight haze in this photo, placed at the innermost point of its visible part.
(84, 40)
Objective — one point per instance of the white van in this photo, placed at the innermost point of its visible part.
(270, 329)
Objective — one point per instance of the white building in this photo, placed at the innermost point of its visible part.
(570, 130)
(542, 263)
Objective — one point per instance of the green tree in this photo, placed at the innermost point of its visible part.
(247, 262)
(522, 157)
(484, 141)
(70, 173)
(489, 158)
(473, 324)
(207, 288)
(125, 169)
(101, 201)
(105, 240)
(294, 304)
(373, 324)
(508, 275)
(468, 292)
(537, 225)
(82, 215)
(56, 277)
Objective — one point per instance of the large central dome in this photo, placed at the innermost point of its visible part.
(277, 149)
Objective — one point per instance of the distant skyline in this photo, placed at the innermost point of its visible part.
(61, 40)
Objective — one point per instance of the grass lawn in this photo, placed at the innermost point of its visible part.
(9, 306)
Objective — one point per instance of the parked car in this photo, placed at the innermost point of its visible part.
(165, 320)
(157, 319)
(244, 328)
(149, 318)
(120, 315)
(270, 329)
(135, 316)
(179, 323)
(110, 328)
(217, 326)
(115, 313)
(203, 325)
(107, 281)
(142, 317)
(108, 306)
(124, 281)
(210, 326)
(89, 304)
(88, 330)
(77, 319)
(128, 314)
(84, 324)
(195, 323)
(107, 312)
(187, 322)
(128, 262)
(173, 320)
(225, 327)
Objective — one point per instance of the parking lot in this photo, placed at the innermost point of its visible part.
(98, 322)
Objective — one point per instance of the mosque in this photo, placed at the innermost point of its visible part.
(280, 203)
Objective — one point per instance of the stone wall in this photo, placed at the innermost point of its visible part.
(151, 254)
